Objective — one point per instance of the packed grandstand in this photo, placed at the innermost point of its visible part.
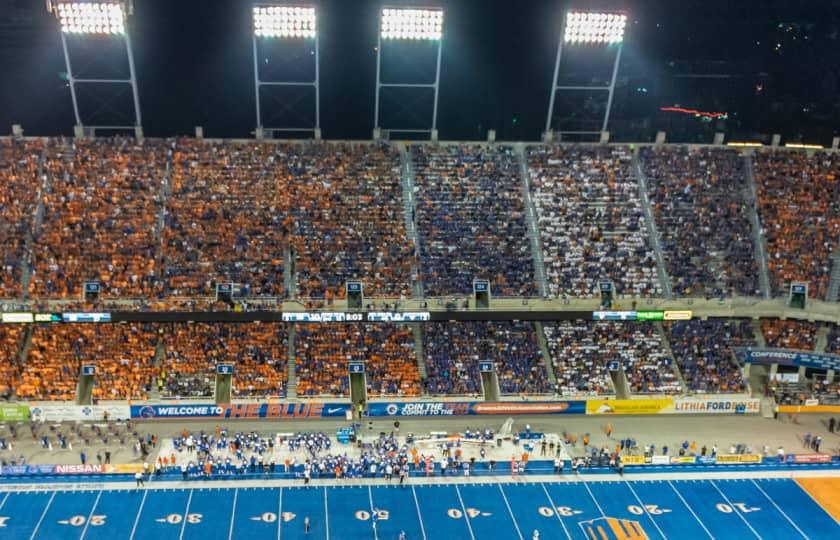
(158, 223)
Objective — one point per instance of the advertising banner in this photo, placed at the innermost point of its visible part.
(465, 408)
(313, 409)
(717, 406)
(628, 406)
(660, 460)
(21, 470)
(812, 458)
(738, 458)
(90, 468)
(682, 460)
(14, 413)
(787, 357)
(57, 412)
(809, 409)
(705, 460)
(633, 460)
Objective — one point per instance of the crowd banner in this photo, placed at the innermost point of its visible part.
(738, 458)
(629, 406)
(717, 406)
(811, 458)
(57, 412)
(14, 413)
(786, 357)
(466, 408)
(310, 409)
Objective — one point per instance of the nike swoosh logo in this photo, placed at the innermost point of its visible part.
(336, 409)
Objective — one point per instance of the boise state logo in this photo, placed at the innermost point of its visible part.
(608, 528)
(87, 411)
(147, 411)
(392, 409)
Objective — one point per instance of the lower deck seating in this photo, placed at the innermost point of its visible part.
(453, 351)
(790, 334)
(324, 351)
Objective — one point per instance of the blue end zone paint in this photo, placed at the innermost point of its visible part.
(799, 506)
(767, 522)
(730, 509)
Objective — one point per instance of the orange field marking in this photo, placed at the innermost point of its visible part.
(826, 491)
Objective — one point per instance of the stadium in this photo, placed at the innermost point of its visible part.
(459, 270)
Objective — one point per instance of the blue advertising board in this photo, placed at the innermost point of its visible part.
(311, 409)
(468, 408)
(356, 367)
(88, 370)
(787, 357)
(485, 367)
(224, 369)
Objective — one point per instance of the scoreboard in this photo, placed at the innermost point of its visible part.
(306, 317)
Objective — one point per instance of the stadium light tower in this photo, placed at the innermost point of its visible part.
(592, 29)
(102, 19)
(291, 23)
(409, 24)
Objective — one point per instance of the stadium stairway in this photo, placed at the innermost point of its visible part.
(833, 294)
(822, 338)
(666, 346)
(37, 222)
(417, 331)
(541, 341)
(653, 233)
(291, 384)
(160, 351)
(165, 191)
(288, 275)
(407, 181)
(619, 384)
(758, 334)
(531, 217)
(759, 246)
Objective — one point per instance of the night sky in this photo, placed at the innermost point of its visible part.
(772, 65)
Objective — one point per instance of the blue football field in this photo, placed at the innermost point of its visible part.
(612, 510)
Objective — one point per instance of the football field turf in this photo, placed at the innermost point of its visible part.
(603, 510)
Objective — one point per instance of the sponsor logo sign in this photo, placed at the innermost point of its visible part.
(463, 408)
(660, 460)
(628, 406)
(314, 409)
(14, 413)
(682, 460)
(812, 458)
(633, 460)
(739, 458)
(717, 406)
(52, 412)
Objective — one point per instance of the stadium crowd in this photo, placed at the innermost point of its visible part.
(697, 198)
(581, 352)
(100, 219)
(591, 221)
(704, 351)
(19, 190)
(796, 195)
(324, 351)
(258, 352)
(470, 217)
(452, 352)
(790, 334)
